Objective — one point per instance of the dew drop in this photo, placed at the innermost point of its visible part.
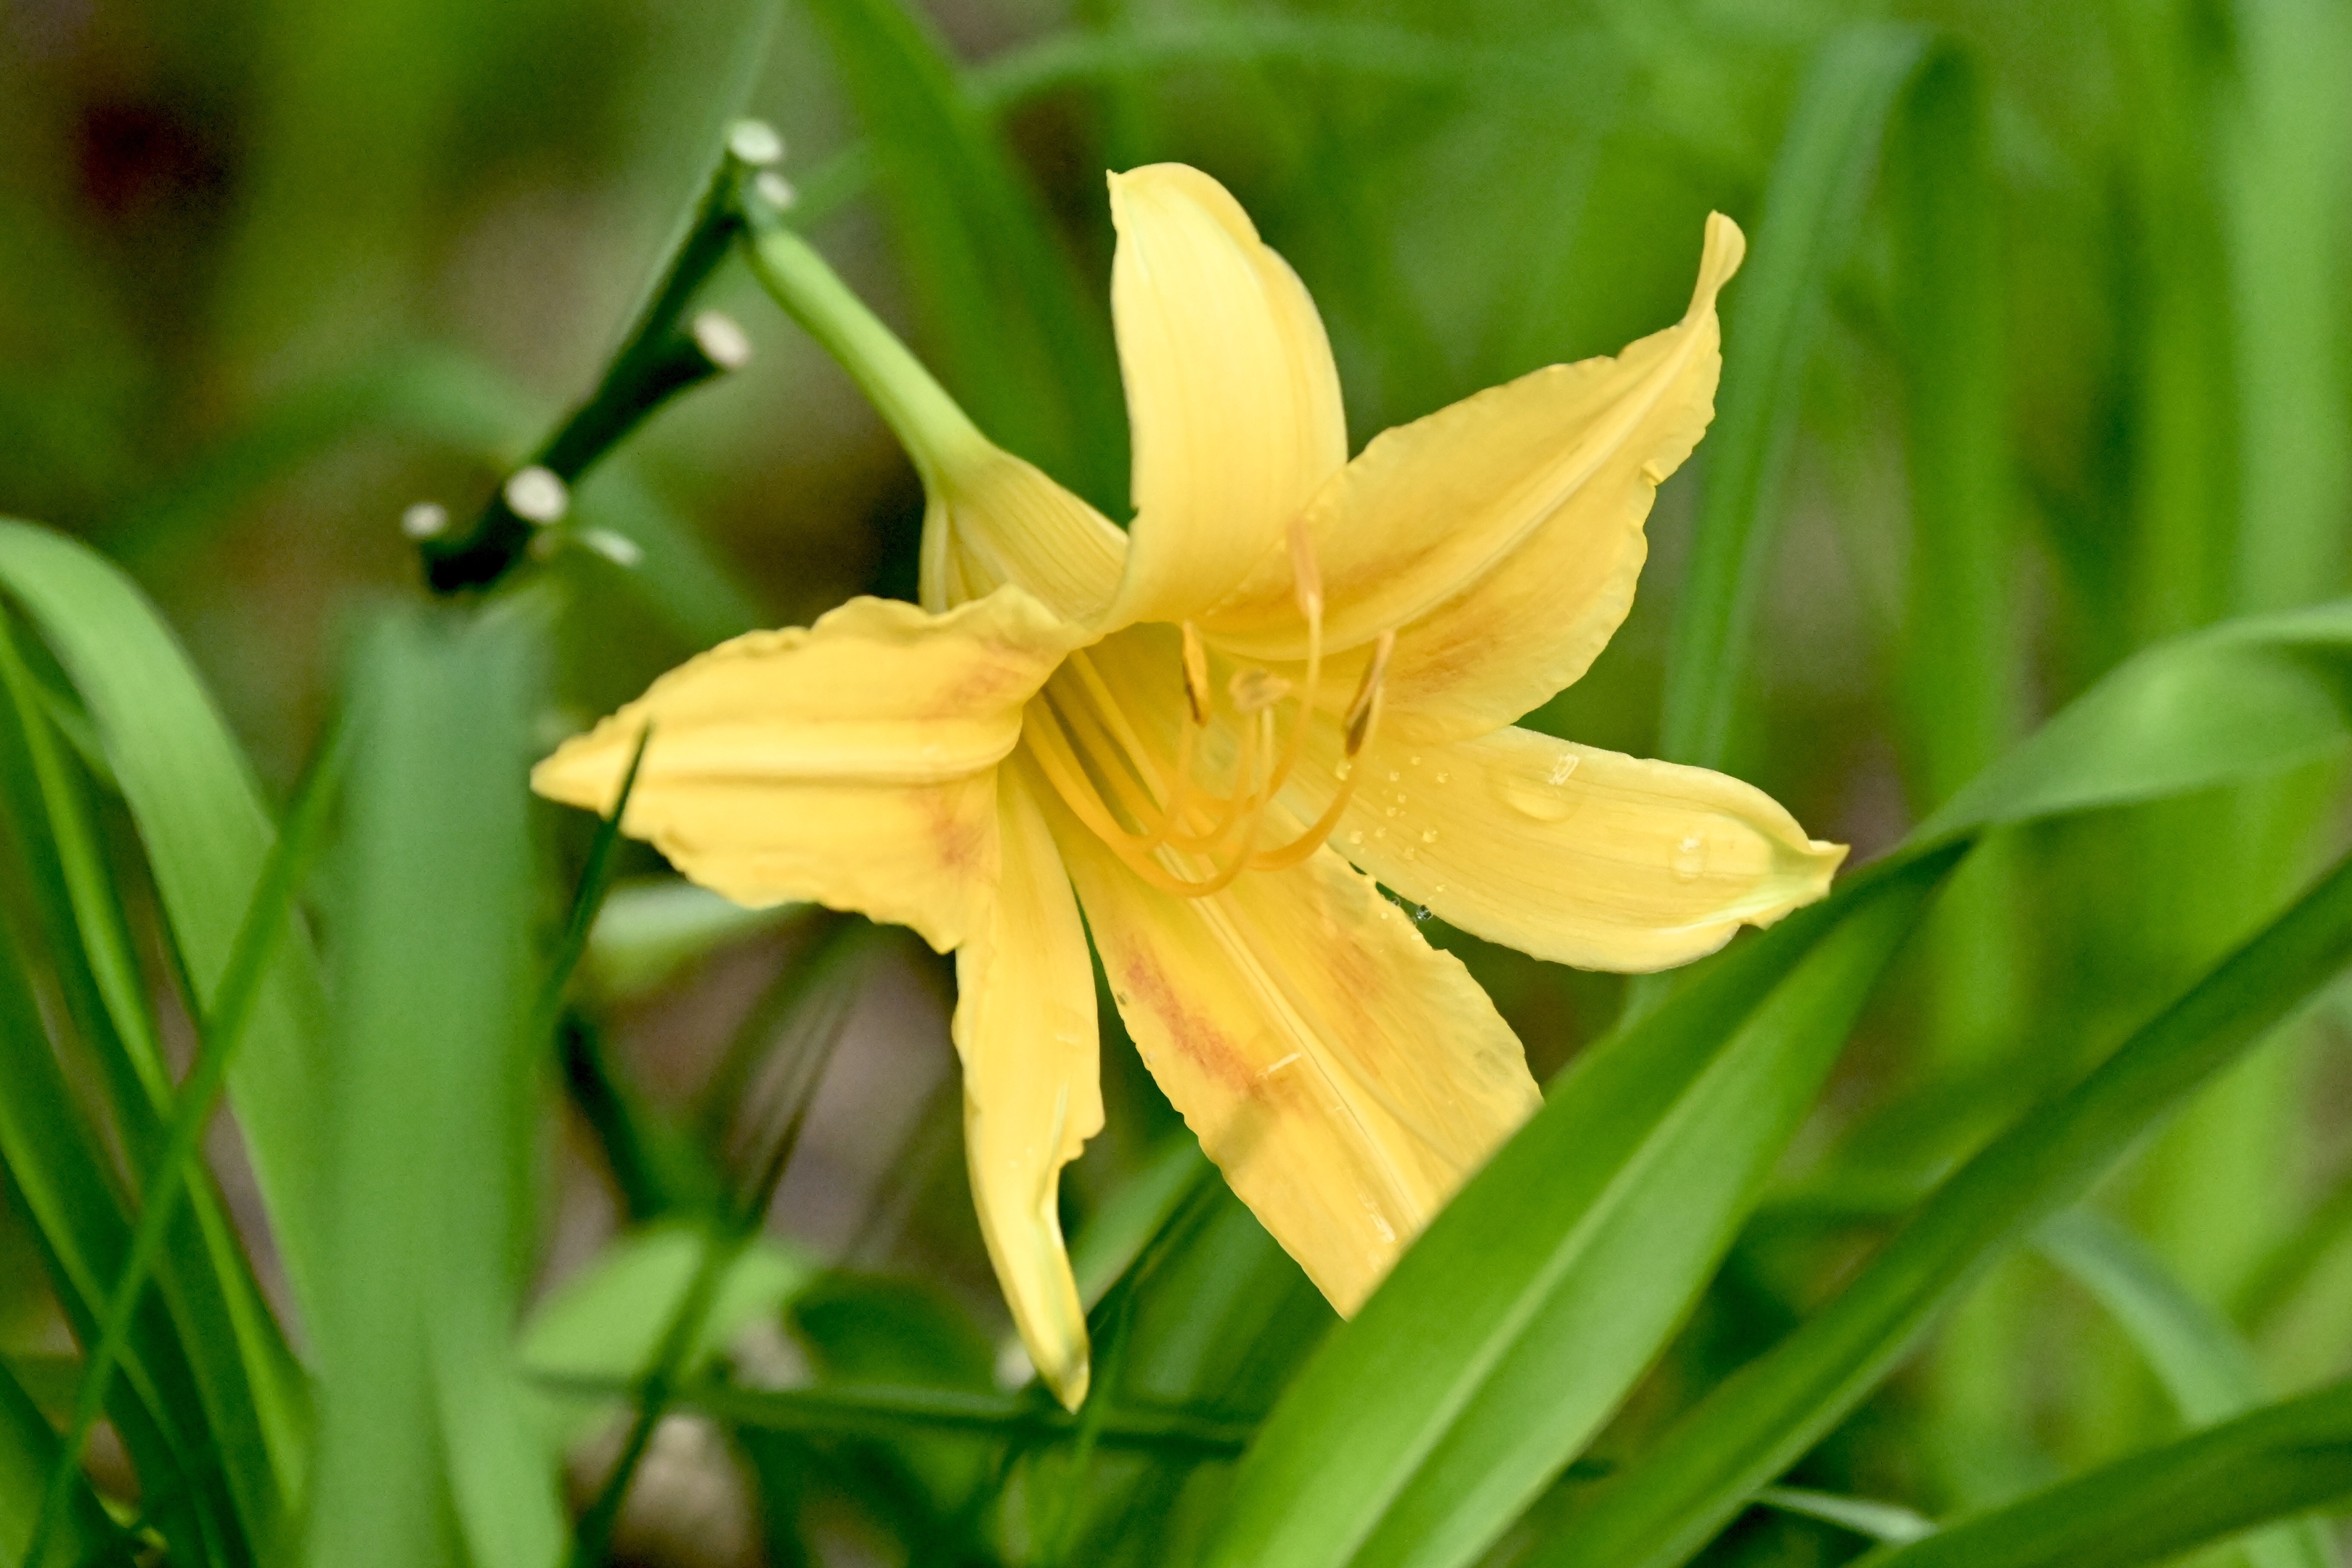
(1561, 768)
(1410, 853)
(1439, 888)
(1445, 778)
(1394, 776)
(1421, 912)
(1342, 768)
(1399, 796)
(1429, 835)
(1357, 837)
(1414, 760)
(1379, 833)
(1690, 858)
(1392, 811)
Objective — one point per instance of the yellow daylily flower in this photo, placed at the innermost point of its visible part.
(1205, 740)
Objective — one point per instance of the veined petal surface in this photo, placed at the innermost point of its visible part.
(1577, 854)
(1232, 397)
(1344, 1075)
(852, 763)
(1025, 1031)
(995, 520)
(1502, 536)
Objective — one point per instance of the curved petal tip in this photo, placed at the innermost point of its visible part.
(1725, 249)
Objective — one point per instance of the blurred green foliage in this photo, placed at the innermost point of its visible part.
(2040, 362)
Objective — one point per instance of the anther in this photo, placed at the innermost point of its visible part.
(1359, 722)
(1196, 674)
(618, 549)
(776, 190)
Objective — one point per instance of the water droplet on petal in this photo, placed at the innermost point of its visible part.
(1342, 768)
(1429, 835)
(1421, 912)
(1357, 837)
(1415, 761)
(1410, 853)
(1445, 778)
(1690, 858)
(1379, 833)
(1562, 767)
(1392, 810)
(1394, 776)
(1439, 888)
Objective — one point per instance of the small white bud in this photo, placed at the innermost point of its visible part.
(722, 343)
(776, 190)
(755, 141)
(424, 521)
(618, 549)
(536, 496)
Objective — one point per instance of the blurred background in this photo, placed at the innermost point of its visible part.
(2066, 373)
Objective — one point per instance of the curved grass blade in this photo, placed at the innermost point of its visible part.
(1864, 1516)
(202, 821)
(220, 1033)
(1669, 1501)
(2205, 1367)
(28, 1456)
(1811, 211)
(2152, 1506)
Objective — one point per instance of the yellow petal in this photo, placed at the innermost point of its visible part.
(852, 763)
(1576, 854)
(1502, 536)
(1344, 1075)
(1024, 1026)
(1230, 393)
(994, 520)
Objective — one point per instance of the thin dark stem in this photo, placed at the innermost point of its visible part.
(661, 358)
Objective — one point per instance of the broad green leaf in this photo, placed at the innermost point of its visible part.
(205, 830)
(1516, 1326)
(2151, 1507)
(2206, 1368)
(1420, 1431)
(1811, 209)
(424, 1432)
(1678, 1492)
(1022, 347)
(28, 1450)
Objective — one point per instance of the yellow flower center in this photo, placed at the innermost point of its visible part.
(1088, 750)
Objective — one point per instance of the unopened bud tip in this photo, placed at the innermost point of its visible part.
(722, 343)
(424, 521)
(536, 496)
(755, 141)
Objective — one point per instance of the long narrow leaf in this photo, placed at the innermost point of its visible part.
(1667, 1503)
(2152, 1506)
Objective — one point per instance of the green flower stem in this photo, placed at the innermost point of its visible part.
(936, 432)
(660, 360)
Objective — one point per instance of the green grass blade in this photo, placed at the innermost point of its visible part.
(1022, 345)
(2205, 1367)
(59, 1180)
(424, 1440)
(206, 832)
(1863, 1516)
(2153, 1507)
(219, 1036)
(1693, 1479)
(28, 1455)
(1811, 211)
(1517, 1323)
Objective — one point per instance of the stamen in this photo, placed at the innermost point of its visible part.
(1363, 720)
(1255, 691)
